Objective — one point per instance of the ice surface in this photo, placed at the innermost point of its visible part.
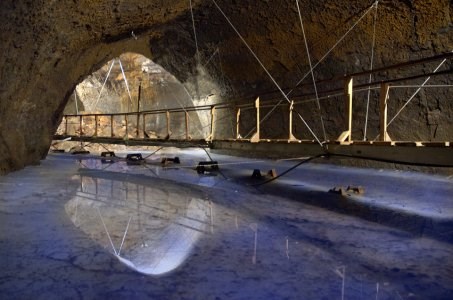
(220, 237)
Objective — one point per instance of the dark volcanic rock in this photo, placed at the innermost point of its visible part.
(48, 47)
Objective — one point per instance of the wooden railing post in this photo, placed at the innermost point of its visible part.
(383, 101)
(291, 137)
(80, 125)
(137, 125)
(188, 137)
(238, 122)
(212, 130)
(256, 137)
(144, 125)
(168, 124)
(347, 135)
(127, 125)
(111, 126)
(96, 125)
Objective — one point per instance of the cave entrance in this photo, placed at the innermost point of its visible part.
(131, 83)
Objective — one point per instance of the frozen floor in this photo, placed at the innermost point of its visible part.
(71, 230)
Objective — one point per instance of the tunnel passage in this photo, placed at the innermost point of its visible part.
(48, 48)
(131, 83)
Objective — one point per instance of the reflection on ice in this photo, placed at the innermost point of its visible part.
(152, 229)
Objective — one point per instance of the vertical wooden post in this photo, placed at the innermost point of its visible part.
(138, 107)
(80, 125)
(383, 98)
(212, 131)
(96, 125)
(238, 122)
(256, 137)
(187, 126)
(347, 135)
(66, 125)
(137, 125)
(291, 137)
(144, 126)
(111, 126)
(127, 125)
(168, 124)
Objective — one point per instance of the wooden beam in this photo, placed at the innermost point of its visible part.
(188, 137)
(95, 125)
(238, 122)
(256, 137)
(291, 137)
(347, 135)
(384, 96)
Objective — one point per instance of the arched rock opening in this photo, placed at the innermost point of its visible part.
(48, 47)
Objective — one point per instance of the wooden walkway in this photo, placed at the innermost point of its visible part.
(134, 128)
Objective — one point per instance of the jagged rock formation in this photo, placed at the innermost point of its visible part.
(48, 47)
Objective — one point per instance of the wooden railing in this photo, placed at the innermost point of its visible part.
(238, 106)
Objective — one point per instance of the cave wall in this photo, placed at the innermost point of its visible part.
(48, 47)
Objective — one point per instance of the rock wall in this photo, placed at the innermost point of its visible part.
(48, 47)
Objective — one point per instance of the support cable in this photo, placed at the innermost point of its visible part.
(371, 68)
(211, 57)
(125, 81)
(289, 169)
(415, 93)
(185, 111)
(334, 46)
(264, 68)
(311, 70)
(103, 85)
(194, 31)
(426, 86)
(315, 65)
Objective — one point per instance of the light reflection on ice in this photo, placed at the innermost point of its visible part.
(152, 229)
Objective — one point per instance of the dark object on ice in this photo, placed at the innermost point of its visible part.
(107, 154)
(338, 190)
(204, 166)
(351, 190)
(57, 150)
(257, 174)
(167, 160)
(272, 173)
(75, 152)
(134, 159)
(356, 190)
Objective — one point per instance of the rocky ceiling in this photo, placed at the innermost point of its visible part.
(49, 46)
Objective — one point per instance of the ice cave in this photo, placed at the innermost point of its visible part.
(213, 149)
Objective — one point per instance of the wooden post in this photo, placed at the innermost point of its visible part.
(212, 131)
(256, 137)
(188, 137)
(138, 106)
(137, 125)
(127, 125)
(291, 137)
(347, 135)
(383, 98)
(168, 124)
(238, 122)
(144, 126)
(96, 125)
(80, 125)
(111, 126)
(66, 125)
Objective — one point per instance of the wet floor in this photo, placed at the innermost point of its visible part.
(81, 229)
